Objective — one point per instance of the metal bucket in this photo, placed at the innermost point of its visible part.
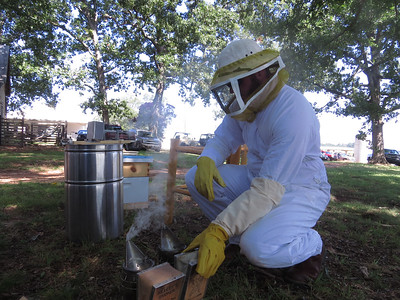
(93, 188)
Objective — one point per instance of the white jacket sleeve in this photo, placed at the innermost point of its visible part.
(228, 137)
(250, 206)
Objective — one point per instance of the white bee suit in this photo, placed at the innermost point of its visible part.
(284, 155)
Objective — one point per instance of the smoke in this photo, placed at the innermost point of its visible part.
(153, 216)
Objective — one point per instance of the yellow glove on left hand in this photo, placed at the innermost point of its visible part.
(211, 243)
(205, 174)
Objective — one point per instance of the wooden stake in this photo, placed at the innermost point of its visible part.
(171, 181)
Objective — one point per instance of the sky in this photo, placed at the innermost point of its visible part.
(199, 119)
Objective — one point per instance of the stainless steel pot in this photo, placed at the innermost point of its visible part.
(93, 188)
(95, 163)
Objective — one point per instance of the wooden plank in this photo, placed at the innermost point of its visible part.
(234, 159)
(171, 181)
(135, 169)
(245, 150)
(182, 189)
(189, 149)
(23, 131)
(136, 205)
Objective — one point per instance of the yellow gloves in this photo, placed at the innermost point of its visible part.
(203, 180)
(211, 243)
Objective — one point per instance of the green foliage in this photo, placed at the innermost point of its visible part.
(87, 30)
(117, 109)
(155, 118)
(102, 46)
(213, 26)
(35, 59)
(128, 118)
(172, 41)
(349, 50)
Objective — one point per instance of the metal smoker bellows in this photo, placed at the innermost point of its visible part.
(135, 261)
(170, 245)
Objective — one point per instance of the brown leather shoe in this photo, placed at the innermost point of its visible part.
(272, 273)
(307, 271)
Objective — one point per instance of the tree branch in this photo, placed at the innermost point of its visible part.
(333, 91)
(353, 23)
(72, 35)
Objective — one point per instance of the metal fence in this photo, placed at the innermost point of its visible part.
(21, 132)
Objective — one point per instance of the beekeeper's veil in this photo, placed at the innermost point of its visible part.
(238, 60)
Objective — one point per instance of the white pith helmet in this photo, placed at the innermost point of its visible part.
(237, 50)
(240, 59)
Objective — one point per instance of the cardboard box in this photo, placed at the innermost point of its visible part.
(195, 285)
(162, 282)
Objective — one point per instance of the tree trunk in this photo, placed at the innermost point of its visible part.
(373, 75)
(101, 78)
(378, 156)
(158, 97)
(157, 106)
(102, 95)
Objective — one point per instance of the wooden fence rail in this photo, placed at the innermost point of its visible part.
(20, 132)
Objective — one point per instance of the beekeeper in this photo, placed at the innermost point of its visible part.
(269, 206)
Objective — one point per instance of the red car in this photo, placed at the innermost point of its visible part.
(114, 132)
(327, 154)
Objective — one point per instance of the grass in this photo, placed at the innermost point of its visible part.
(363, 219)
(367, 202)
(360, 228)
(22, 196)
(32, 159)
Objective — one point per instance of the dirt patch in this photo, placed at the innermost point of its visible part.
(29, 148)
(330, 164)
(43, 175)
(40, 171)
(48, 175)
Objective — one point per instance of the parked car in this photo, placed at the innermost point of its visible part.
(65, 141)
(185, 138)
(328, 154)
(114, 132)
(324, 156)
(392, 156)
(341, 156)
(81, 135)
(204, 138)
(144, 140)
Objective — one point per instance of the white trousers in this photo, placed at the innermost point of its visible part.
(282, 238)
